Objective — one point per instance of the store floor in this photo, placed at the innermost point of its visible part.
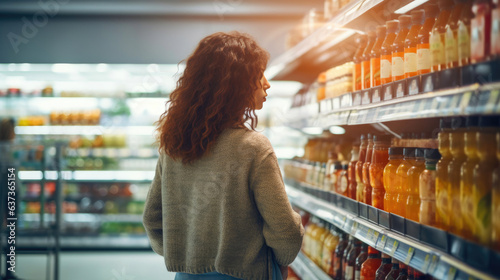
(97, 266)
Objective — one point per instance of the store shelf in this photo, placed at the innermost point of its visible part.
(402, 246)
(121, 153)
(306, 269)
(84, 218)
(86, 242)
(87, 130)
(90, 176)
(468, 100)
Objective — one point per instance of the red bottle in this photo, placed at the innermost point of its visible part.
(339, 253)
(370, 266)
(403, 272)
(363, 255)
(367, 191)
(481, 31)
(384, 268)
(394, 273)
(350, 245)
(351, 171)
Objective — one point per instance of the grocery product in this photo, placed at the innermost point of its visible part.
(402, 188)
(385, 267)
(495, 203)
(424, 59)
(386, 52)
(391, 180)
(403, 272)
(360, 186)
(442, 196)
(495, 30)
(351, 260)
(410, 43)
(331, 242)
(427, 188)
(367, 190)
(375, 57)
(398, 48)
(365, 64)
(456, 137)
(343, 181)
(394, 273)
(330, 180)
(451, 33)
(412, 210)
(480, 39)
(351, 191)
(463, 35)
(339, 80)
(380, 158)
(339, 253)
(350, 246)
(437, 36)
(361, 42)
(363, 255)
(370, 266)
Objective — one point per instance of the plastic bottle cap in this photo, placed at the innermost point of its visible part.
(489, 121)
(419, 152)
(392, 26)
(409, 152)
(382, 138)
(369, 136)
(417, 17)
(337, 165)
(395, 151)
(405, 135)
(405, 21)
(363, 137)
(381, 31)
(431, 10)
(345, 166)
(432, 154)
(458, 122)
(472, 121)
(445, 123)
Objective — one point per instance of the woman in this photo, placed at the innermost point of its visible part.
(217, 207)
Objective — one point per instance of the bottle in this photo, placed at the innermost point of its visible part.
(456, 137)
(306, 244)
(386, 52)
(339, 253)
(352, 172)
(451, 33)
(370, 266)
(413, 187)
(363, 255)
(360, 186)
(410, 43)
(394, 273)
(329, 180)
(337, 167)
(424, 61)
(463, 36)
(402, 173)
(322, 235)
(343, 181)
(437, 36)
(481, 31)
(361, 41)
(398, 49)
(367, 191)
(391, 181)
(313, 237)
(411, 275)
(365, 64)
(403, 272)
(467, 176)
(442, 196)
(385, 267)
(495, 30)
(380, 158)
(375, 57)
(427, 188)
(351, 260)
(483, 173)
(350, 245)
(321, 176)
(331, 242)
(495, 203)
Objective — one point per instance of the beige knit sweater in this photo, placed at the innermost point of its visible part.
(227, 212)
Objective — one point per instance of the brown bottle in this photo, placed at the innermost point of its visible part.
(363, 255)
(339, 253)
(375, 57)
(360, 186)
(398, 49)
(351, 260)
(365, 64)
(451, 33)
(351, 171)
(361, 41)
(367, 191)
(424, 62)
(437, 36)
(384, 268)
(386, 52)
(350, 245)
(410, 44)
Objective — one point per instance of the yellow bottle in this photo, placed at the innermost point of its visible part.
(456, 137)
(307, 240)
(322, 235)
(427, 188)
(329, 246)
(413, 201)
(442, 196)
(402, 174)
(483, 173)
(495, 233)
(390, 179)
(467, 177)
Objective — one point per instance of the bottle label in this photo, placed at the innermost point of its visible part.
(385, 67)
(343, 184)
(398, 64)
(357, 275)
(365, 70)
(451, 47)
(495, 31)
(463, 42)
(423, 59)
(477, 40)
(410, 64)
(349, 273)
(437, 49)
(375, 72)
(337, 266)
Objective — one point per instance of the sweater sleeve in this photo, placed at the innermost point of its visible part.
(282, 230)
(152, 216)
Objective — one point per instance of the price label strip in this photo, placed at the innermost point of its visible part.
(465, 101)
(427, 262)
(381, 244)
(394, 248)
(452, 272)
(411, 252)
(374, 236)
(433, 264)
(354, 228)
(492, 103)
(455, 101)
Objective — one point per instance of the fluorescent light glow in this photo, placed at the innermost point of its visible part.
(64, 68)
(312, 130)
(30, 175)
(337, 129)
(102, 67)
(283, 88)
(410, 6)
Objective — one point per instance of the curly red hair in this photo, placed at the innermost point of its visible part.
(215, 92)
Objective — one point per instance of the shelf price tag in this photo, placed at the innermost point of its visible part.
(411, 251)
(433, 264)
(451, 273)
(381, 244)
(354, 228)
(492, 102)
(373, 236)
(465, 100)
(455, 101)
(427, 262)
(394, 247)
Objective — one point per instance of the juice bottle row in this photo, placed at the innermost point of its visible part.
(343, 256)
(459, 176)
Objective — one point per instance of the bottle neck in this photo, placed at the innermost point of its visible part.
(374, 256)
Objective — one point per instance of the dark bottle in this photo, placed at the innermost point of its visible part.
(339, 253)
(350, 245)
(363, 255)
(384, 268)
(403, 272)
(411, 276)
(394, 273)
(351, 260)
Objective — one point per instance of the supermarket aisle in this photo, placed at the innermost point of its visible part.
(98, 266)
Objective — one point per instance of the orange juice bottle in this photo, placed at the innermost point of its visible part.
(402, 173)
(451, 33)
(314, 240)
(398, 49)
(391, 181)
(424, 61)
(370, 266)
(442, 196)
(467, 176)
(437, 36)
(427, 188)
(361, 41)
(463, 35)
(380, 158)
(365, 64)
(481, 31)
(456, 137)
(306, 243)
(483, 173)
(413, 187)
(367, 191)
(495, 203)
(360, 186)
(352, 172)
(363, 255)
(386, 52)
(410, 44)
(322, 235)
(328, 254)
(375, 57)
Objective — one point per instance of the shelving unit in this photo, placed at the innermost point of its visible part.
(307, 269)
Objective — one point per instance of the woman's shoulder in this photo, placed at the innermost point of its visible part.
(243, 139)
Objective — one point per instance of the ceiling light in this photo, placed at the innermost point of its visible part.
(312, 130)
(337, 129)
(410, 6)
